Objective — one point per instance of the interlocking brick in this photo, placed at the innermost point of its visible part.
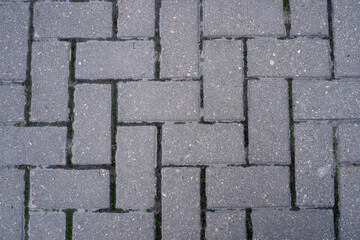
(226, 225)
(14, 21)
(228, 187)
(309, 17)
(269, 134)
(288, 58)
(32, 145)
(179, 39)
(135, 167)
(223, 80)
(47, 225)
(12, 187)
(72, 20)
(349, 192)
(314, 164)
(124, 59)
(12, 103)
(136, 18)
(59, 189)
(349, 143)
(50, 75)
(154, 101)
(326, 99)
(203, 144)
(180, 203)
(242, 18)
(285, 224)
(106, 226)
(92, 125)
(13, 60)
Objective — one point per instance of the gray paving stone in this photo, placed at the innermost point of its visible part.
(180, 203)
(92, 124)
(242, 18)
(228, 187)
(72, 20)
(154, 101)
(135, 167)
(326, 99)
(179, 32)
(12, 187)
(106, 226)
(14, 19)
(226, 225)
(12, 103)
(309, 17)
(136, 18)
(47, 225)
(59, 189)
(314, 165)
(269, 133)
(223, 80)
(129, 59)
(50, 76)
(285, 224)
(203, 144)
(32, 145)
(346, 20)
(288, 58)
(349, 193)
(349, 143)
(13, 60)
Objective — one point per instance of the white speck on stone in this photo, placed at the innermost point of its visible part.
(272, 62)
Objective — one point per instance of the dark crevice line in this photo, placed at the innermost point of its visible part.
(287, 18)
(26, 202)
(158, 201)
(115, 14)
(80, 40)
(233, 38)
(331, 38)
(201, 59)
(203, 202)
(157, 39)
(81, 167)
(42, 124)
(245, 102)
(336, 211)
(249, 230)
(113, 146)
(69, 213)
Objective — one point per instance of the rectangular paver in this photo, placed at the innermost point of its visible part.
(47, 225)
(180, 203)
(32, 145)
(14, 21)
(73, 20)
(179, 31)
(124, 59)
(174, 101)
(314, 164)
(12, 103)
(269, 133)
(243, 18)
(349, 142)
(228, 187)
(92, 125)
(50, 76)
(135, 167)
(203, 144)
(285, 224)
(59, 189)
(226, 225)
(288, 58)
(223, 80)
(13, 59)
(326, 99)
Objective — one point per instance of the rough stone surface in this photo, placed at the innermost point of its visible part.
(136, 18)
(50, 76)
(12, 187)
(92, 125)
(107, 226)
(47, 225)
(288, 58)
(228, 187)
(285, 224)
(223, 80)
(124, 59)
(135, 167)
(14, 21)
(72, 20)
(153, 101)
(12, 103)
(13, 60)
(269, 134)
(179, 32)
(59, 189)
(32, 145)
(349, 143)
(326, 99)
(226, 225)
(180, 203)
(203, 144)
(314, 164)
